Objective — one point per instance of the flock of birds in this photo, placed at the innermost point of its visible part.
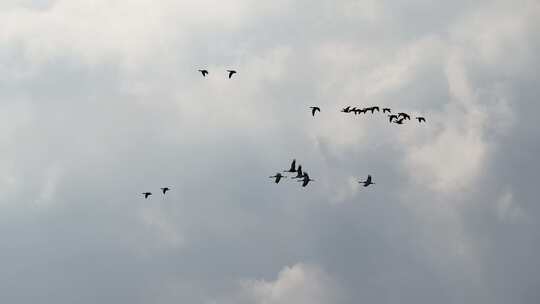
(398, 118)
(303, 176)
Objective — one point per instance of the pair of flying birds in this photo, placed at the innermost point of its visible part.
(205, 72)
(301, 175)
(163, 190)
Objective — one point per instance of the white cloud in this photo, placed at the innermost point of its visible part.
(130, 33)
(299, 284)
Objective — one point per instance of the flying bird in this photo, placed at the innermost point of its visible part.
(204, 72)
(358, 111)
(384, 110)
(278, 177)
(165, 189)
(346, 110)
(306, 180)
(231, 72)
(372, 109)
(367, 182)
(392, 117)
(404, 115)
(293, 167)
(421, 119)
(146, 194)
(299, 173)
(315, 109)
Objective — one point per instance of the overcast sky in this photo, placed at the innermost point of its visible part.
(101, 100)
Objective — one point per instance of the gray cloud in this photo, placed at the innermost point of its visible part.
(100, 102)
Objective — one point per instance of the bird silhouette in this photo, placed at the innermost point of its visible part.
(305, 181)
(384, 110)
(146, 194)
(392, 117)
(278, 177)
(204, 72)
(314, 109)
(400, 121)
(231, 72)
(165, 189)
(367, 182)
(404, 115)
(372, 109)
(346, 110)
(293, 167)
(358, 111)
(299, 173)
(421, 119)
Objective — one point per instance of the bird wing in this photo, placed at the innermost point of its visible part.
(313, 110)
(293, 165)
(368, 179)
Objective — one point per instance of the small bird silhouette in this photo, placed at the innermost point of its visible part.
(372, 109)
(404, 115)
(358, 111)
(314, 109)
(146, 194)
(231, 72)
(204, 72)
(299, 173)
(346, 110)
(278, 177)
(165, 189)
(400, 121)
(376, 108)
(421, 119)
(392, 117)
(306, 180)
(367, 182)
(293, 167)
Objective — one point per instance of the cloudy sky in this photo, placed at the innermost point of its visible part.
(101, 100)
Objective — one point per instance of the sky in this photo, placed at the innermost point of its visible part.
(101, 100)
